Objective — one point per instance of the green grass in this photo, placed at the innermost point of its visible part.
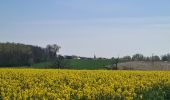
(79, 64)
(88, 64)
(42, 65)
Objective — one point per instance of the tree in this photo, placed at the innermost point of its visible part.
(16, 54)
(115, 63)
(138, 57)
(126, 58)
(60, 61)
(147, 58)
(57, 60)
(165, 57)
(155, 58)
(52, 50)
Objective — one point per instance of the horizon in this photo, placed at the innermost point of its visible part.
(84, 28)
(92, 55)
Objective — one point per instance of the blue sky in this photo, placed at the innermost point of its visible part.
(83, 27)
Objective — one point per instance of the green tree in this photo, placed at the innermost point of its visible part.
(115, 63)
(165, 57)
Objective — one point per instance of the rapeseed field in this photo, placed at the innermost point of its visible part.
(56, 84)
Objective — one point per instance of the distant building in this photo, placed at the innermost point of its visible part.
(94, 56)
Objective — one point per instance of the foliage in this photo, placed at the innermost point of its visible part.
(15, 54)
(126, 58)
(41, 84)
(166, 57)
(52, 50)
(115, 63)
(138, 57)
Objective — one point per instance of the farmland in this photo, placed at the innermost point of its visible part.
(22, 84)
(79, 64)
(88, 64)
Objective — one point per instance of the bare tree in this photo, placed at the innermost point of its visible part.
(52, 50)
(138, 57)
(56, 59)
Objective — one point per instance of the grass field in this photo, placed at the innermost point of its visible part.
(80, 64)
(88, 64)
(42, 65)
(51, 84)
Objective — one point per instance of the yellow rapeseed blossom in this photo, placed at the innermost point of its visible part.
(54, 84)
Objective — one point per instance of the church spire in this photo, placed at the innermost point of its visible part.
(94, 56)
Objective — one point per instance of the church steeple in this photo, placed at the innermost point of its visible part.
(94, 56)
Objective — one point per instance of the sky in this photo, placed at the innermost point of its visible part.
(107, 28)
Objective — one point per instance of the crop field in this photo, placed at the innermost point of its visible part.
(79, 64)
(51, 84)
(88, 64)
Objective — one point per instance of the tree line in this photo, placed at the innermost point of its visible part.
(16, 54)
(141, 57)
